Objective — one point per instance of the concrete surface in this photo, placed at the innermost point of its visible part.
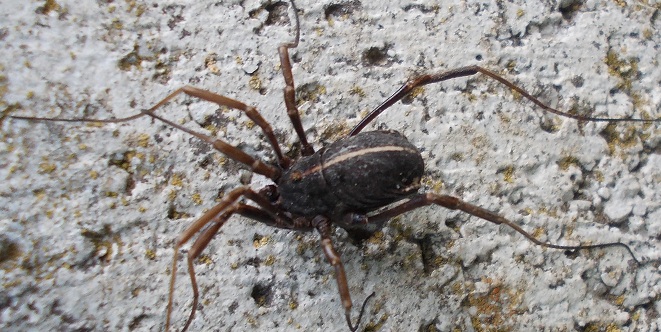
(90, 213)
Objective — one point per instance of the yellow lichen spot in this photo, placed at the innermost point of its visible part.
(205, 259)
(143, 140)
(599, 175)
(293, 304)
(82, 146)
(520, 12)
(648, 33)
(234, 266)
(309, 92)
(620, 300)
(238, 60)
(77, 214)
(250, 319)
(612, 327)
(489, 311)
(176, 180)
(457, 156)
(270, 259)
(46, 167)
(300, 248)
(29, 94)
(260, 241)
(212, 129)
(139, 8)
(635, 316)
(210, 64)
(104, 241)
(150, 254)
(255, 83)
(508, 174)
(249, 124)
(142, 209)
(376, 238)
(625, 71)
(334, 131)
(567, 162)
(172, 194)
(49, 6)
(416, 92)
(358, 91)
(111, 194)
(197, 199)
(510, 65)
(434, 184)
(622, 139)
(39, 193)
(378, 325)
(470, 96)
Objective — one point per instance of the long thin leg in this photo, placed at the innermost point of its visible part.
(469, 71)
(455, 203)
(209, 224)
(289, 90)
(322, 224)
(233, 152)
(229, 150)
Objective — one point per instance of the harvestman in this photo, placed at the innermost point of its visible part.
(322, 187)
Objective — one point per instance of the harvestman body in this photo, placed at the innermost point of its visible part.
(350, 183)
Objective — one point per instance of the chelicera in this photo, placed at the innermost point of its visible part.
(357, 183)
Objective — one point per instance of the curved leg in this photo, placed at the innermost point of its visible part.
(209, 224)
(221, 100)
(455, 203)
(289, 90)
(469, 71)
(322, 224)
(233, 152)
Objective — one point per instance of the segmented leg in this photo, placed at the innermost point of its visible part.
(290, 91)
(221, 100)
(455, 203)
(322, 224)
(210, 223)
(469, 71)
(233, 152)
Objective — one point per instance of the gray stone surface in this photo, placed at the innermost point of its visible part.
(90, 213)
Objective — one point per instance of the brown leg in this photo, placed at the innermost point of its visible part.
(290, 91)
(322, 224)
(454, 203)
(250, 111)
(469, 71)
(229, 150)
(209, 224)
(233, 152)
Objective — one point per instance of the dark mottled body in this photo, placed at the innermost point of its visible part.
(352, 176)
